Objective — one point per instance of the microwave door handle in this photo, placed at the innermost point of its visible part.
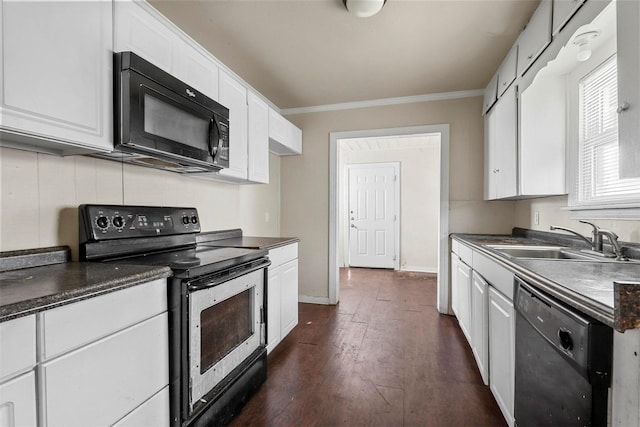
(214, 140)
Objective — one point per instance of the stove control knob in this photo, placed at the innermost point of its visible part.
(118, 221)
(185, 220)
(194, 219)
(102, 222)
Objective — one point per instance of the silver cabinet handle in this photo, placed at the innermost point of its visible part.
(353, 226)
(623, 107)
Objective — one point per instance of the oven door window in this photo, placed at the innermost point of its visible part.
(224, 329)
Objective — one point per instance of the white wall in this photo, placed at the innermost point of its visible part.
(419, 202)
(40, 194)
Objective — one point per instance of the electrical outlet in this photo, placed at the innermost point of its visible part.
(536, 218)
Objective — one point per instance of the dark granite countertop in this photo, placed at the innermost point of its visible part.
(608, 291)
(29, 290)
(235, 239)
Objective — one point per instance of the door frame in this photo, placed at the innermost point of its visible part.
(396, 208)
(443, 218)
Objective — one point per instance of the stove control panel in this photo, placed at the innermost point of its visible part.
(105, 222)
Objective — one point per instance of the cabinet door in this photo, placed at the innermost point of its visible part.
(102, 382)
(480, 324)
(233, 95)
(274, 296)
(507, 71)
(563, 10)
(490, 94)
(455, 290)
(289, 300)
(138, 29)
(57, 72)
(154, 412)
(258, 139)
(502, 352)
(628, 22)
(195, 69)
(464, 298)
(535, 37)
(502, 140)
(18, 401)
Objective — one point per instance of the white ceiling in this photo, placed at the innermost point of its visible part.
(303, 53)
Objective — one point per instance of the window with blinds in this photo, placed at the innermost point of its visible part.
(598, 182)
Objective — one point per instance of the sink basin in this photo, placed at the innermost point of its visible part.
(545, 252)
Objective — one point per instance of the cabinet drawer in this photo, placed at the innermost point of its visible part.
(153, 412)
(455, 246)
(279, 256)
(115, 375)
(18, 349)
(74, 325)
(466, 254)
(498, 276)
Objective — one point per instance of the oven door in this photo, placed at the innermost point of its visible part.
(226, 326)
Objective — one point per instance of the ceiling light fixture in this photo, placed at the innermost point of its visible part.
(582, 41)
(364, 8)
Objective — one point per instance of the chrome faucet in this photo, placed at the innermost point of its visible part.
(591, 243)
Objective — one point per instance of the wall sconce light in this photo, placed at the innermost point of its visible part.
(582, 41)
(364, 8)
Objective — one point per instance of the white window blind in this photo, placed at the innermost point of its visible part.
(598, 181)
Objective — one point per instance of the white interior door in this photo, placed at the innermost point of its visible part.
(372, 217)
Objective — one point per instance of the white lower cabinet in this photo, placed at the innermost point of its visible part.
(18, 401)
(480, 324)
(282, 303)
(153, 412)
(463, 292)
(502, 352)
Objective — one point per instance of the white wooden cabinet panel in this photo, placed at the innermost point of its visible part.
(501, 147)
(455, 289)
(628, 28)
(289, 308)
(74, 325)
(563, 10)
(466, 254)
(154, 412)
(20, 355)
(57, 73)
(480, 324)
(138, 29)
(273, 308)
(508, 70)
(284, 137)
(490, 94)
(463, 276)
(535, 37)
(258, 170)
(233, 95)
(282, 254)
(196, 69)
(498, 276)
(502, 352)
(18, 401)
(100, 383)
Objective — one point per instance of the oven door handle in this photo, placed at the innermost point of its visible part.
(228, 274)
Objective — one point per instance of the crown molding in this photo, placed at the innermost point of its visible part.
(385, 101)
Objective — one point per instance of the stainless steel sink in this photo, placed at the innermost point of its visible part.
(545, 252)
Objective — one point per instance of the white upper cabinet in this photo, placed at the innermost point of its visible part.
(507, 71)
(233, 95)
(56, 82)
(284, 137)
(490, 94)
(563, 10)
(628, 22)
(197, 70)
(535, 37)
(501, 147)
(258, 170)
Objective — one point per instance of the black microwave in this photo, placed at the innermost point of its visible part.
(162, 122)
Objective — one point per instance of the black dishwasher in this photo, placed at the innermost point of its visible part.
(563, 363)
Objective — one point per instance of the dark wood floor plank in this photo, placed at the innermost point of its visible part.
(382, 357)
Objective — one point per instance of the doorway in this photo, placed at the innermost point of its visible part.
(335, 246)
(372, 215)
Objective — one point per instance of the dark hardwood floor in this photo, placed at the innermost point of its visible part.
(382, 357)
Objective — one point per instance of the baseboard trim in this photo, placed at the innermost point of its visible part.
(313, 300)
(419, 269)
